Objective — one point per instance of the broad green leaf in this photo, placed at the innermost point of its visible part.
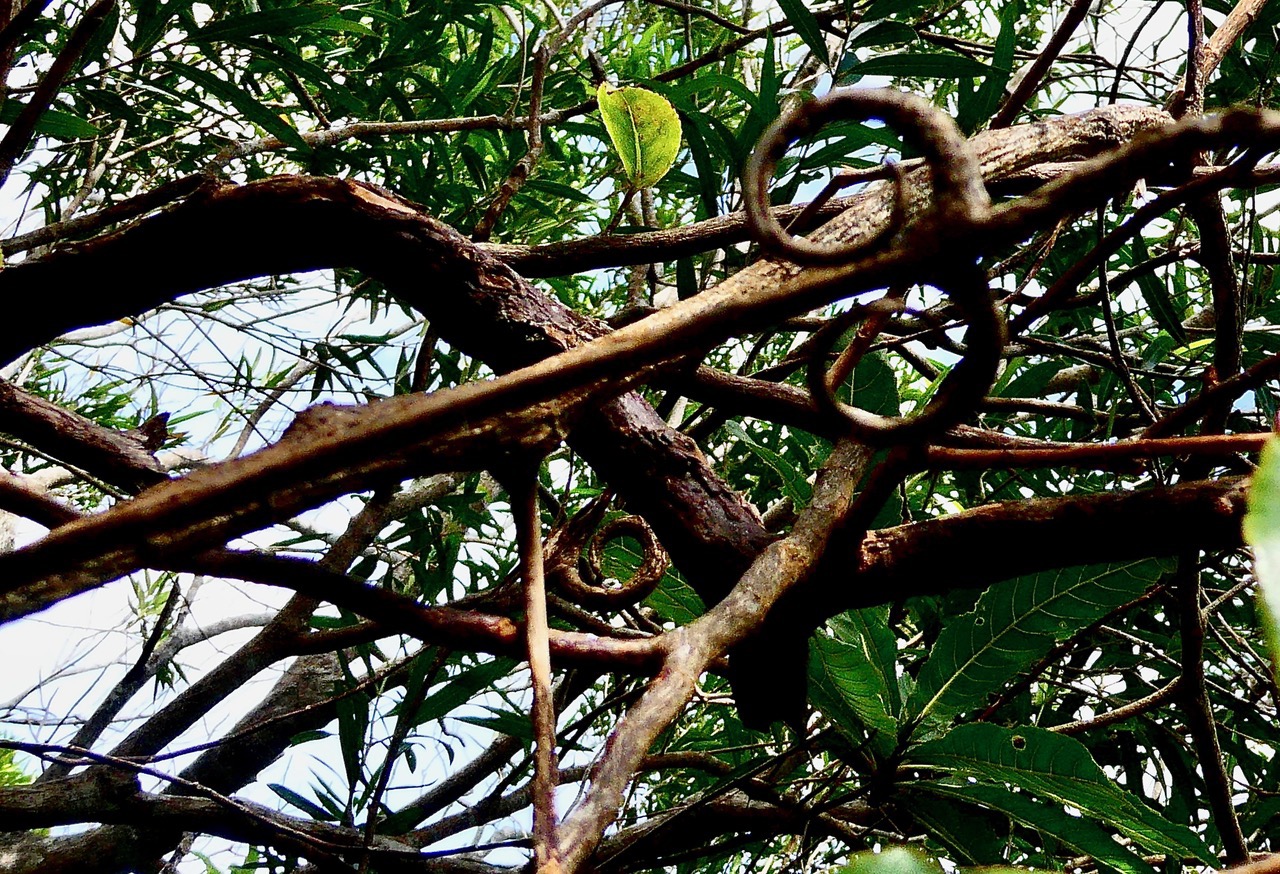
(799, 17)
(966, 831)
(850, 681)
(919, 66)
(1055, 768)
(868, 628)
(675, 600)
(891, 860)
(1080, 834)
(243, 101)
(1262, 532)
(874, 387)
(644, 129)
(1013, 624)
(52, 122)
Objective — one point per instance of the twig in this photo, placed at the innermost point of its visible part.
(117, 212)
(1243, 14)
(520, 173)
(1123, 712)
(1091, 454)
(692, 648)
(15, 29)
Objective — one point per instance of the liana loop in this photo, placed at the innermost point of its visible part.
(564, 552)
(960, 393)
(958, 192)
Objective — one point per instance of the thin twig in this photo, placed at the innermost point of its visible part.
(1035, 74)
(15, 142)
(524, 167)
(1118, 361)
(1199, 712)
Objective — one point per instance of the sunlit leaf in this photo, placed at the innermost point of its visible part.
(645, 130)
(892, 860)
(1262, 532)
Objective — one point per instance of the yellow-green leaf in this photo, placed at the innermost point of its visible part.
(1262, 532)
(891, 860)
(645, 130)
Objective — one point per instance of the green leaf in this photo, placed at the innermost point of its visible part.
(52, 123)
(1262, 532)
(1015, 623)
(462, 689)
(1078, 833)
(979, 106)
(1157, 295)
(505, 722)
(851, 681)
(958, 827)
(312, 809)
(341, 24)
(882, 33)
(799, 17)
(919, 65)
(875, 387)
(795, 483)
(644, 129)
(675, 600)
(268, 21)
(1055, 768)
(353, 723)
(242, 100)
(710, 183)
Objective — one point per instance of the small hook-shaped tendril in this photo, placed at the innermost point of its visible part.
(580, 532)
(958, 192)
(959, 201)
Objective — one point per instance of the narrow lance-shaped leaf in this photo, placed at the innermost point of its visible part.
(52, 122)
(920, 65)
(644, 129)
(269, 21)
(799, 17)
(1157, 295)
